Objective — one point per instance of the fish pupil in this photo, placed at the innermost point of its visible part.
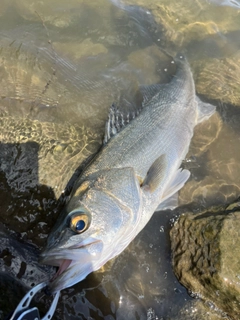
(80, 225)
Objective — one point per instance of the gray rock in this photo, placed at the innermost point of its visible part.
(206, 256)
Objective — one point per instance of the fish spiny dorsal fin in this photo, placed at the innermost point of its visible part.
(117, 120)
(114, 123)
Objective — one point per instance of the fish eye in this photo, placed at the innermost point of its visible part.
(79, 222)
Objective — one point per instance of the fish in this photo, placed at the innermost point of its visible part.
(136, 172)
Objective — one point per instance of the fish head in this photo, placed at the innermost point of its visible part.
(98, 223)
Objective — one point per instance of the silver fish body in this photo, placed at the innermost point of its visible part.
(135, 172)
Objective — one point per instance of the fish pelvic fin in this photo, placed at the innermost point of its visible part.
(169, 198)
(169, 204)
(205, 110)
(155, 174)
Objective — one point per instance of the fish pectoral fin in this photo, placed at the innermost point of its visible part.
(169, 199)
(205, 110)
(155, 174)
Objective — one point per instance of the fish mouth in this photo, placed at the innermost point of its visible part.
(62, 266)
(73, 263)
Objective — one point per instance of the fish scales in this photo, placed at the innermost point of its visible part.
(136, 172)
(153, 125)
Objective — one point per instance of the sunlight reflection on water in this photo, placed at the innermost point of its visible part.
(65, 63)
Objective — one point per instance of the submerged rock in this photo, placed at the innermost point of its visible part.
(213, 161)
(219, 79)
(63, 16)
(78, 50)
(206, 256)
(39, 162)
(186, 20)
(45, 153)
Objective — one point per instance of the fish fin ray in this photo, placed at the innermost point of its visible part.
(205, 110)
(113, 124)
(170, 203)
(176, 183)
(155, 174)
(117, 120)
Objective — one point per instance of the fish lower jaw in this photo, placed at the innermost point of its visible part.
(63, 265)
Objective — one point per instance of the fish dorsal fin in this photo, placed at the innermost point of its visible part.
(113, 124)
(155, 174)
(117, 120)
(148, 92)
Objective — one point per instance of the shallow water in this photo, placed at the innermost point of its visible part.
(62, 64)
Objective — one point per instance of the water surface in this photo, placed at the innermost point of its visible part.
(62, 64)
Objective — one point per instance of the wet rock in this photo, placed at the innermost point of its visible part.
(206, 258)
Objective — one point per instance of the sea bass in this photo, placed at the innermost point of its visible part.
(136, 172)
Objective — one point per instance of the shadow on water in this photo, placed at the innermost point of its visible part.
(142, 287)
(25, 205)
(28, 212)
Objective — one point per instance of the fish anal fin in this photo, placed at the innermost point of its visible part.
(155, 174)
(205, 110)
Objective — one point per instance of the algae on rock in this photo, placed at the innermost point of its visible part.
(206, 256)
